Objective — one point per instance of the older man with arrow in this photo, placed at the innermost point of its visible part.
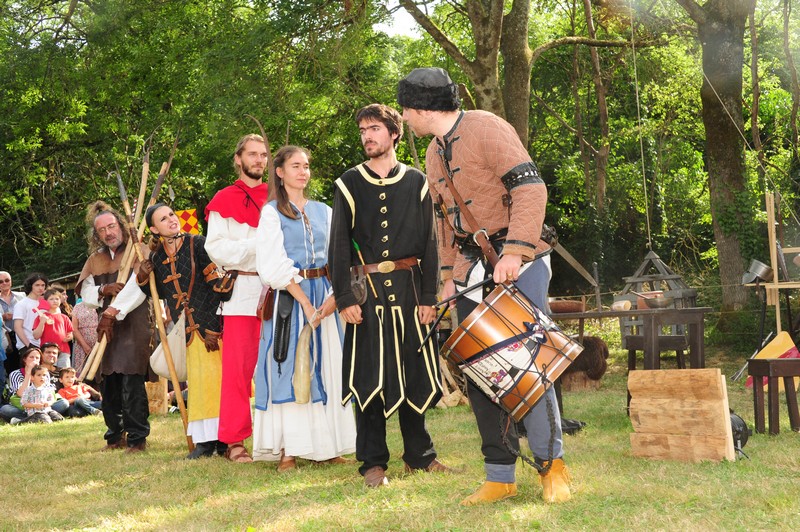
(125, 326)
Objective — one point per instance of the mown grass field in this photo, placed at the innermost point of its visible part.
(54, 478)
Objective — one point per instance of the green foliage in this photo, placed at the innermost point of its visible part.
(80, 98)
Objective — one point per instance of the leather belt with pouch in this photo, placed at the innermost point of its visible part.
(225, 284)
(387, 266)
(283, 326)
(266, 302)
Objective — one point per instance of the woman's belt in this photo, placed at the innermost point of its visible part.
(242, 272)
(387, 266)
(314, 273)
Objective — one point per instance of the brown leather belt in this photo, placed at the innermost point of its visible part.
(314, 273)
(387, 266)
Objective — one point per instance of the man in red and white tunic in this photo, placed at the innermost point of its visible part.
(232, 216)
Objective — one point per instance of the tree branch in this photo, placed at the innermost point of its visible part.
(441, 39)
(599, 43)
(694, 10)
(563, 122)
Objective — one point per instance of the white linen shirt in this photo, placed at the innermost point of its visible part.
(232, 246)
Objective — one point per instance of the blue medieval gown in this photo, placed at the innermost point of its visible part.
(323, 428)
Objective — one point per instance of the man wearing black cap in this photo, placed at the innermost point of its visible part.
(382, 231)
(496, 178)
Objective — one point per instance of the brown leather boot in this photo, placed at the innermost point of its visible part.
(287, 463)
(375, 477)
(555, 483)
(434, 467)
(122, 443)
(491, 492)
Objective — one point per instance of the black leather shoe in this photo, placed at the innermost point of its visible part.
(222, 448)
(202, 449)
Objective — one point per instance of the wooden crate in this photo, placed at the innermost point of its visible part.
(578, 381)
(157, 396)
(680, 415)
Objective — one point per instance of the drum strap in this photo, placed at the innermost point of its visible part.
(480, 236)
(505, 426)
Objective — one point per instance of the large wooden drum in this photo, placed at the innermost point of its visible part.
(511, 350)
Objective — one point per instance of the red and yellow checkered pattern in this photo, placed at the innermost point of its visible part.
(189, 222)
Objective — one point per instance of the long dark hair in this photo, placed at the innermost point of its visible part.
(276, 188)
(27, 286)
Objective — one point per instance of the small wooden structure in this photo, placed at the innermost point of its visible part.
(774, 369)
(157, 396)
(680, 415)
(653, 275)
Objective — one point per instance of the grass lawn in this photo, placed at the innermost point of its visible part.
(54, 478)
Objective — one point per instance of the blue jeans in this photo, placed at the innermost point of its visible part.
(82, 407)
(10, 411)
(542, 426)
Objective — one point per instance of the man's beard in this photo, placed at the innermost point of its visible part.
(252, 173)
(375, 150)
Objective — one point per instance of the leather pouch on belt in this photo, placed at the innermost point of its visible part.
(283, 326)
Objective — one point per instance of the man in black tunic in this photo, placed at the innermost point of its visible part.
(382, 228)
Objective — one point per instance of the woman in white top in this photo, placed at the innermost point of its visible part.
(291, 258)
(25, 310)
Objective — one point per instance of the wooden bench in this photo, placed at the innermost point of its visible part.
(773, 369)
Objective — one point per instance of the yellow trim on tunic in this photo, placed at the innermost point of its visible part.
(383, 181)
(350, 201)
(429, 353)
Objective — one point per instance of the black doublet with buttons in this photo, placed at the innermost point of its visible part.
(390, 219)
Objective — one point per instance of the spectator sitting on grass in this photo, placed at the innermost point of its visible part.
(50, 353)
(78, 395)
(38, 398)
(17, 382)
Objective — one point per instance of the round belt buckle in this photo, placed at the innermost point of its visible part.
(386, 266)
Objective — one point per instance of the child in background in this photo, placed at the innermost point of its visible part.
(78, 395)
(65, 307)
(53, 326)
(37, 398)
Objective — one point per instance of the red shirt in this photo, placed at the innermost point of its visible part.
(73, 392)
(61, 326)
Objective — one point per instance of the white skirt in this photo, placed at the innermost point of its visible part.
(313, 431)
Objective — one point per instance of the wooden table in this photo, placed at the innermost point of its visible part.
(774, 369)
(652, 321)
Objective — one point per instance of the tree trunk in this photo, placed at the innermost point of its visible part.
(756, 89)
(585, 151)
(721, 26)
(793, 71)
(601, 161)
(517, 67)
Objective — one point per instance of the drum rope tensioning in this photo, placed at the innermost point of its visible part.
(512, 351)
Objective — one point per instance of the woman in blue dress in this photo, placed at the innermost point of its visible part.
(292, 258)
